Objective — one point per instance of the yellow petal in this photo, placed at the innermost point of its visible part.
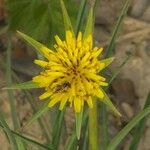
(41, 63)
(90, 102)
(63, 101)
(58, 40)
(99, 93)
(77, 104)
(45, 95)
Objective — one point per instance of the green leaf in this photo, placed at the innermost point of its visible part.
(38, 114)
(40, 19)
(26, 139)
(78, 123)
(57, 128)
(14, 115)
(67, 22)
(106, 62)
(110, 105)
(118, 69)
(37, 45)
(6, 129)
(89, 25)
(25, 85)
(117, 27)
(121, 135)
(139, 128)
(103, 109)
(72, 141)
(21, 144)
(80, 16)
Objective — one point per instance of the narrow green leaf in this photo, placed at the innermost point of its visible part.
(118, 70)
(78, 123)
(106, 62)
(67, 21)
(25, 85)
(89, 25)
(103, 109)
(72, 141)
(14, 114)
(44, 126)
(38, 114)
(110, 105)
(6, 129)
(42, 49)
(26, 139)
(139, 128)
(117, 27)
(9, 82)
(21, 144)
(85, 137)
(57, 128)
(120, 136)
(80, 16)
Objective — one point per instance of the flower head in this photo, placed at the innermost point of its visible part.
(71, 72)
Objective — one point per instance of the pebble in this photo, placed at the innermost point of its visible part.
(139, 7)
(127, 109)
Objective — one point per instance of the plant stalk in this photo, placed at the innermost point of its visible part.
(93, 143)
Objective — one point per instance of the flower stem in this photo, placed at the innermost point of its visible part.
(93, 127)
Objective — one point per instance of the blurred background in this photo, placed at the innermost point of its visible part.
(42, 19)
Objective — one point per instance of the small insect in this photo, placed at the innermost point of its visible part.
(62, 87)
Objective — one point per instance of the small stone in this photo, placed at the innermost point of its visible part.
(127, 109)
(146, 15)
(139, 7)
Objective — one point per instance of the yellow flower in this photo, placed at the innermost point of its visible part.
(71, 72)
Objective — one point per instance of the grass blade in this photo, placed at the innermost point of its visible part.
(6, 129)
(28, 140)
(14, 114)
(78, 123)
(110, 105)
(140, 128)
(41, 49)
(103, 110)
(72, 142)
(120, 136)
(118, 70)
(25, 85)
(31, 100)
(89, 25)
(117, 27)
(38, 114)
(67, 21)
(9, 81)
(57, 128)
(80, 16)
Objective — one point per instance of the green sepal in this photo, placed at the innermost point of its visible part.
(106, 62)
(66, 18)
(42, 49)
(38, 114)
(24, 85)
(110, 105)
(89, 26)
(78, 117)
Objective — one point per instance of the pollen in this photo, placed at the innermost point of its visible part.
(71, 73)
